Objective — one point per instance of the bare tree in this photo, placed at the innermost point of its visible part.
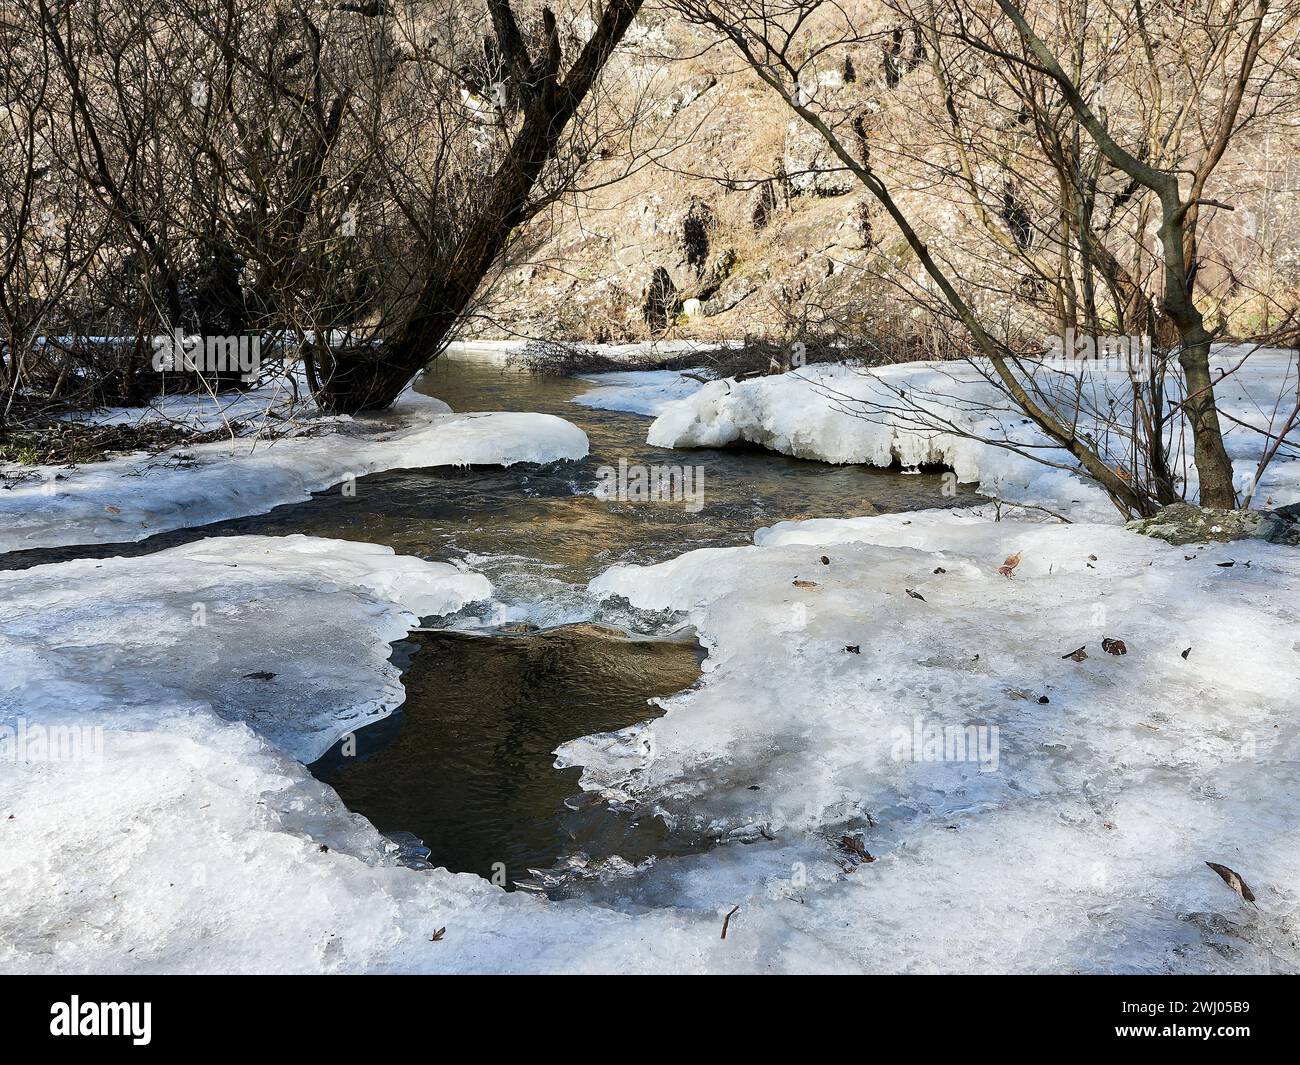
(340, 179)
(1028, 118)
(49, 231)
(465, 217)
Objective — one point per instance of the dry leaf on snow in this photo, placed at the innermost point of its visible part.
(1233, 880)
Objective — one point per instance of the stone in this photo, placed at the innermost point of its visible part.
(1184, 523)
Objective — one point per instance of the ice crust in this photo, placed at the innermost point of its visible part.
(132, 497)
(196, 840)
(1084, 849)
(945, 413)
(640, 391)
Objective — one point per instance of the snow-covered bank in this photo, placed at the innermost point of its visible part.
(942, 413)
(1067, 832)
(132, 497)
(1070, 834)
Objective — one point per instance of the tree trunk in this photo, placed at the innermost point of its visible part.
(362, 379)
(1212, 463)
(1213, 467)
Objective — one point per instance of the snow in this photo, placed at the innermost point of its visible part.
(131, 497)
(210, 853)
(188, 838)
(195, 621)
(1080, 846)
(193, 842)
(1025, 812)
(942, 413)
(640, 392)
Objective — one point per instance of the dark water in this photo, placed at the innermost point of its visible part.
(466, 766)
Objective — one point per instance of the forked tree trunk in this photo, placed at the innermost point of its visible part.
(369, 378)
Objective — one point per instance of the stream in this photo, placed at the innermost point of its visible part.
(463, 776)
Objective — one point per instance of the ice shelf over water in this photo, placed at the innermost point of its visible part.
(949, 414)
(131, 497)
(640, 391)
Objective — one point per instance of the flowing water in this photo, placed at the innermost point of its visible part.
(463, 774)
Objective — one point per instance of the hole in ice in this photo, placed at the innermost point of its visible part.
(467, 765)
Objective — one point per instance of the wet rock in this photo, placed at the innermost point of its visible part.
(1184, 523)
(661, 305)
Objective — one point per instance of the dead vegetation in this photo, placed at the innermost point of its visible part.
(64, 443)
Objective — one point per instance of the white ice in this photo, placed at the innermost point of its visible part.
(131, 497)
(1080, 846)
(1072, 837)
(640, 392)
(947, 413)
(176, 831)
(125, 642)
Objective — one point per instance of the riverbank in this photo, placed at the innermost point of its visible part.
(924, 741)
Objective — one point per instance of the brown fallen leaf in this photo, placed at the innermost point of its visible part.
(1009, 566)
(857, 848)
(914, 595)
(437, 936)
(804, 584)
(1233, 880)
(1077, 655)
(727, 920)
(1114, 647)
